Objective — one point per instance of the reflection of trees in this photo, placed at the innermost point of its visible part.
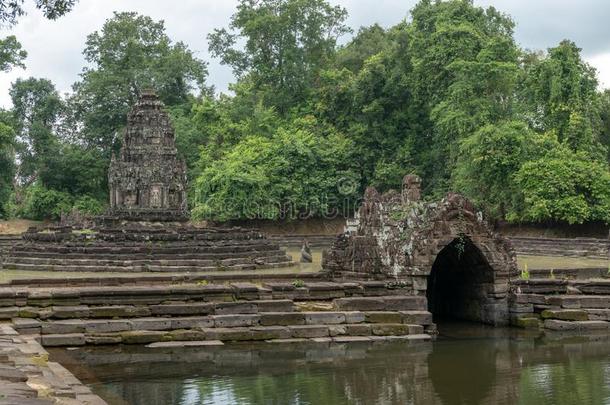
(460, 370)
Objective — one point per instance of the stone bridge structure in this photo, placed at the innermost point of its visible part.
(444, 250)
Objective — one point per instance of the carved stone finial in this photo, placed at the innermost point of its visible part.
(411, 188)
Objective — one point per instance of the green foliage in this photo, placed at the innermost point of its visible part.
(41, 203)
(488, 160)
(11, 10)
(287, 44)
(89, 205)
(11, 54)
(130, 53)
(7, 167)
(564, 186)
(295, 172)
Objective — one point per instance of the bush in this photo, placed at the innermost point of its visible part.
(41, 203)
(89, 205)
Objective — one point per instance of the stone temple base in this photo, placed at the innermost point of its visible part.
(144, 247)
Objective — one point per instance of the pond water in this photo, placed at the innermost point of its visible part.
(467, 364)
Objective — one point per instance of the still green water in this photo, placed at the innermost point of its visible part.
(467, 364)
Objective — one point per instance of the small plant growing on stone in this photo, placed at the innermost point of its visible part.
(298, 283)
(552, 275)
(203, 282)
(525, 274)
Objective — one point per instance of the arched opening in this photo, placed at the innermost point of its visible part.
(459, 282)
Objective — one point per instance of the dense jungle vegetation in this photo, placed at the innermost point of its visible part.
(309, 123)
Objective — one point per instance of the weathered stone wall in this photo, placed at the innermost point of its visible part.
(400, 237)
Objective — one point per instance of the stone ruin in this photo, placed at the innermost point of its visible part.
(147, 180)
(145, 227)
(443, 250)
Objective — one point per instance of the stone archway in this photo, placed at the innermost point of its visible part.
(459, 282)
(416, 244)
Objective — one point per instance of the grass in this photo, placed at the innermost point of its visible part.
(554, 262)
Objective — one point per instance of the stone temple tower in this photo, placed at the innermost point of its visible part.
(147, 180)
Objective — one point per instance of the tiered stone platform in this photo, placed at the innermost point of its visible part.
(572, 247)
(141, 249)
(561, 305)
(212, 313)
(6, 243)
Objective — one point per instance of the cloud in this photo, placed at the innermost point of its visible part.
(55, 47)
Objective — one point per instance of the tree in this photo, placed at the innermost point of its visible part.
(564, 186)
(287, 44)
(11, 10)
(561, 92)
(7, 162)
(11, 54)
(37, 107)
(488, 161)
(130, 53)
(293, 173)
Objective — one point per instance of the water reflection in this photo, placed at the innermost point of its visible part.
(466, 365)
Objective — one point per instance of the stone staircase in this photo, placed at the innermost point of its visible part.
(146, 250)
(573, 247)
(186, 315)
(562, 305)
(6, 243)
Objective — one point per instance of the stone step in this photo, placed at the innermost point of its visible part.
(146, 268)
(562, 325)
(120, 261)
(223, 334)
(143, 247)
(144, 256)
(238, 320)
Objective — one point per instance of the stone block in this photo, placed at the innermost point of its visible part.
(9, 312)
(525, 322)
(308, 331)
(359, 304)
(383, 317)
(110, 339)
(107, 326)
(354, 317)
(599, 314)
(324, 318)
(416, 317)
(592, 325)
(565, 314)
(228, 334)
(569, 302)
(184, 335)
(351, 339)
(228, 308)
(521, 308)
(384, 329)
(270, 332)
(282, 318)
(151, 324)
(71, 339)
(118, 311)
(595, 302)
(337, 330)
(141, 336)
(358, 329)
(232, 321)
(69, 312)
(275, 305)
(554, 324)
(62, 327)
(405, 303)
(192, 322)
(183, 309)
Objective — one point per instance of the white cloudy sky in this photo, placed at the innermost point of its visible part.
(55, 47)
